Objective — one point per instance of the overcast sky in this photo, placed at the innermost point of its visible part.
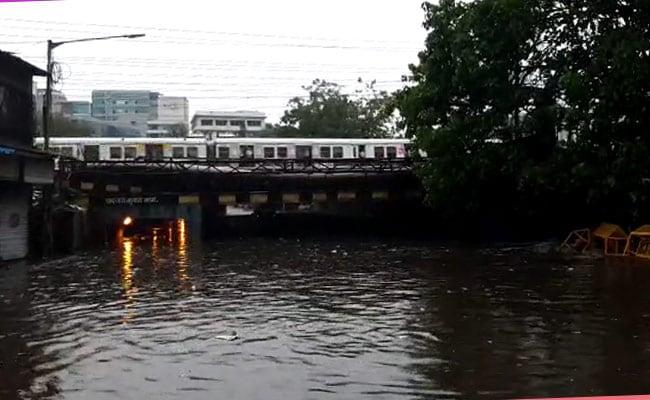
(221, 55)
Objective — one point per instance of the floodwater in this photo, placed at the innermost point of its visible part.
(349, 318)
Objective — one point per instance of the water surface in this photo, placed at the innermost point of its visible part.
(348, 318)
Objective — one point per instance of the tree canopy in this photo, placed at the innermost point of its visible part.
(327, 111)
(500, 81)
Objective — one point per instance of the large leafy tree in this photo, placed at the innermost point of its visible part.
(327, 111)
(500, 79)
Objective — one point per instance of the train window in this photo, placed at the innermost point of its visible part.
(337, 152)
(130, 152)
(269, 152)
(178, 152)
(115, 153)
(221, 122)
(246, 152)
(236, 123)
(391, 152)
(303, 151)
(254, 123)
(282, 152)
(192, 152)
(325, 152)
(66, 151)
(379, 152)
(224, 152)
(207, 122)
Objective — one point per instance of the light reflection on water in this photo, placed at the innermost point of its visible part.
(163, 316)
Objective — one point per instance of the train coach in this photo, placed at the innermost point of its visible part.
(106, 149)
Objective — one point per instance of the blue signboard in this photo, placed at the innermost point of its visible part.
(7, 151)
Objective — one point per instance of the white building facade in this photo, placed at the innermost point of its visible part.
(212, 124)
(173, 117)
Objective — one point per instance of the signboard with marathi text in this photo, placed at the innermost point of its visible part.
(138, 201)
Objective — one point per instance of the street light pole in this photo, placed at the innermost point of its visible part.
(47, 110)
(48, 98)
(47, 101)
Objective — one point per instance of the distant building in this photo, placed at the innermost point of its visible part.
(213, 124)
(173, 118)
(21, 166)
(125, 108)
(76, 109)
(58, 99)
(174, 109)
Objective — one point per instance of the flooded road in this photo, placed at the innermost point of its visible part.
(165, 318)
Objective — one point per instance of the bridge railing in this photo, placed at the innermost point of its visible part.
(242, 166)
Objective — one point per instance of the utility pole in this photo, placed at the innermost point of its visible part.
(47, 101)
(47, 111)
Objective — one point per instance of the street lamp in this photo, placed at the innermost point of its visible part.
(47, 103)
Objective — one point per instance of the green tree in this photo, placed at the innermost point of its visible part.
(500, 79)
(329, 112)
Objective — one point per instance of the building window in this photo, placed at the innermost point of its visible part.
(337, 152)
(192, 152)
(224, 152)
(130, 152)
(221, 122)
(207, 122)
(236, 123)
(254, 123)
(269, 152)
(325, 152)
(178, 152)
(282, 152)
(115, 153)
(379, 152)
(391, 152)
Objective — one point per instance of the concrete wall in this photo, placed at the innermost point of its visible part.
(14, 209)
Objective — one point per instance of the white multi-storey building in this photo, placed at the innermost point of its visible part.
(173, 109)
(58, 98)
(213, 124)
(173, 117)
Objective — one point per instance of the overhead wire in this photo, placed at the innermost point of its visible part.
(195, 31)
(160, 39)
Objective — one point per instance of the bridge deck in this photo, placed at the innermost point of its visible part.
(238, 166)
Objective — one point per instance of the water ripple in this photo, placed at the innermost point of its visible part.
(308, 319)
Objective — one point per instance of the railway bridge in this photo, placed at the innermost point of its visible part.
(202, 191)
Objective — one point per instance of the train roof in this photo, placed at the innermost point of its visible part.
(199, 140)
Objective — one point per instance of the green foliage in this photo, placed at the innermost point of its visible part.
(329, 112)
(499, 80)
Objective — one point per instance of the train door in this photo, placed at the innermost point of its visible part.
(362, 151)
(210, 151)
(91, 152)
(153, 152)
(246, 152)
(303, 152)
